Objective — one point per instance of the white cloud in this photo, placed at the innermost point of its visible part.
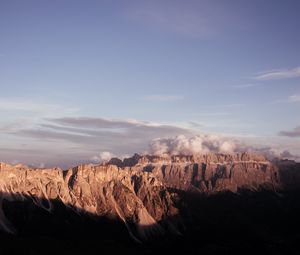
(206, 143)
(163, 98)
(92, 135)
(103, 156)
(279, 74)
(72, 140)
(294, 98)
(202, 143)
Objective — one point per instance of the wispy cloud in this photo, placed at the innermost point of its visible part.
(68, 140)
(291, 99)
(23, 105)
(117, 136)
(11, 127)
(293, 133)
(279, 74)
(245, 86)
(17, 104)
(72, 140)
(230, 105)
(294, 98)
(211, 114)
(163, 98)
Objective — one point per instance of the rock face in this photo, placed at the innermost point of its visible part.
(141, 192)
(209, 173)
(289, 174)
(107, 191)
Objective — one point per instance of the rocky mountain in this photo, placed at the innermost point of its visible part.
(148, 197)
(208, 173)
(138, 199)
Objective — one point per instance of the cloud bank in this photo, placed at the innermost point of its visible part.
(205, 143)
(197, 144)
(70, 141)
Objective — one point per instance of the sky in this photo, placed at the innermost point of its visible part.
(83, 80)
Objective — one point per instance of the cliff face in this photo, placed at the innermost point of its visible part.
(109, 191)
(209, 173)
(141, 192)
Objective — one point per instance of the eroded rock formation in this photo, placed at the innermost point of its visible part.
(209, 173)
(141, 192)
(139, 199)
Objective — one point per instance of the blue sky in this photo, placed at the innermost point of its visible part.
(133, 71)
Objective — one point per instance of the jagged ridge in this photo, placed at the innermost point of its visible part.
(140, 191)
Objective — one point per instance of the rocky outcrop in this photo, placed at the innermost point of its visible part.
(210, 173)
(138, 199)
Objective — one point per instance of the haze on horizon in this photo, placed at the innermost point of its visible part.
(84, 80)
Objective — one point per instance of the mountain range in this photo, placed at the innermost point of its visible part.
(187, 204)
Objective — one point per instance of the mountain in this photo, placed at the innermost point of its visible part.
(150, 200)
(208, 173)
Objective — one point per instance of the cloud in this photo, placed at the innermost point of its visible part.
(294, 98)
(24, 107)
(203, 143)
(230, 106)
(206, 143)
(294, 133)
(163, 98)
(99, 134)
(9, 127)
(17, 104)
(245, 86)
(211, 114)
(279, 74)
(290, 99)
(73, 140)
(103, 156)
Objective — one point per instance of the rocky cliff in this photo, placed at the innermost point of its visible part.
(138, 199)
(141, 192)
(208, 173)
